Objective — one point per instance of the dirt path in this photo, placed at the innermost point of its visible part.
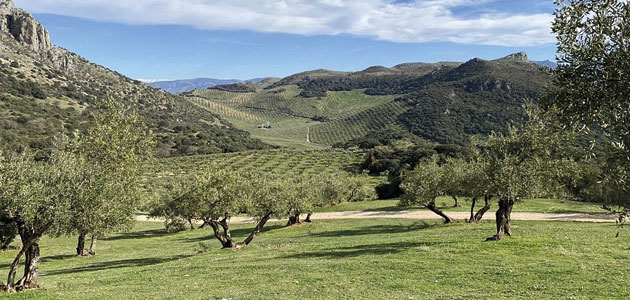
(523, 216)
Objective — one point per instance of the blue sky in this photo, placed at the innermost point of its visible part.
(176, 39)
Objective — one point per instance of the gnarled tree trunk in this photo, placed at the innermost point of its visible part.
(222, 233)
(92, 250)
(293, 220)
(256, 230)
(503, 216)
(472, 210)
(483, 210)
(31, 268)
(476, 217)
(308, 218)
(81, 245)
(431, 206)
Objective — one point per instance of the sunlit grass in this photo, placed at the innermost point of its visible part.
(350, 259)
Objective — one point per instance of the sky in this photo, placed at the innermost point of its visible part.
(243, 39)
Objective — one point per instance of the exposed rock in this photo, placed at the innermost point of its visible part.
(24, 28)
(517, 56)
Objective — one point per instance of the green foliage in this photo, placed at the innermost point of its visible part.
(423, 184)
(529, 160)
(113, 151)
(39, 195)
(592, 79)
(478, 97)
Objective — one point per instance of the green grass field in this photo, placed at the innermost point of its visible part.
(446, 204)
(350, 259)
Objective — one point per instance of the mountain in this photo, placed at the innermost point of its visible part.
(46, 90)
(444, 102)
(186, 85)
(547, 63)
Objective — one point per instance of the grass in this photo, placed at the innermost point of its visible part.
(350, 259)
(446, 203)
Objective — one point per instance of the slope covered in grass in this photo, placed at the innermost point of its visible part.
(351, 259)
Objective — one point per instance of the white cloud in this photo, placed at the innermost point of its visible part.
(411, 21)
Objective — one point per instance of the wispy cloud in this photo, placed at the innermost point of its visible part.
(390, 20)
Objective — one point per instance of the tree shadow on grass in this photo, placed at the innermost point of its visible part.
(116, 264)
(360, 250)
(236, 233)
(144, 234)
(377, 229)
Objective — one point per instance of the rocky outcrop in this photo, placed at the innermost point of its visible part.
(522, 56)
(24, 28)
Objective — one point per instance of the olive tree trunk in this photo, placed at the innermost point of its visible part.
(81, 245)
(431, 206)
(92, 250)
(472, 210)
(31, 268)
(503, 216)
(256, 230)
(294, 220)
(476, 217)
(30, 248)
(483, 210)
(308, 218)
(222, 233)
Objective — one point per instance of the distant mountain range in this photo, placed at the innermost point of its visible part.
(547, 63)
(187, 85)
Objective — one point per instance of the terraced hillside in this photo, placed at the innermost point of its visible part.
(443, 102)
(295, 121)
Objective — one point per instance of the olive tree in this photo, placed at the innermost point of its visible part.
(526, 162)
(332, 189)
(423, 185)
(303, 194)
(114, 147)
(593, 79)
(216, 195)
(36, 198)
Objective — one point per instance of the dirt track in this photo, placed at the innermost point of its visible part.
(523, 216)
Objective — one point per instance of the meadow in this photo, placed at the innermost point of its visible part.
(343, 259)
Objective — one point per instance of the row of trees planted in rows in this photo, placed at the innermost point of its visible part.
(589, 96)
(87, 186)
(217, 195)
(534, 160)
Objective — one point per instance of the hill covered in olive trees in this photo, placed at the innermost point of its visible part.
(445, 102)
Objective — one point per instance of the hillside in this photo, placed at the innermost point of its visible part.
(45, 90)
(442, 102)
(187, 85)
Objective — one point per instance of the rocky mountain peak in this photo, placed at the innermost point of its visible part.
(23, 27)
(518, 56)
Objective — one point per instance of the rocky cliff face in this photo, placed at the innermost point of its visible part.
(24, 28)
